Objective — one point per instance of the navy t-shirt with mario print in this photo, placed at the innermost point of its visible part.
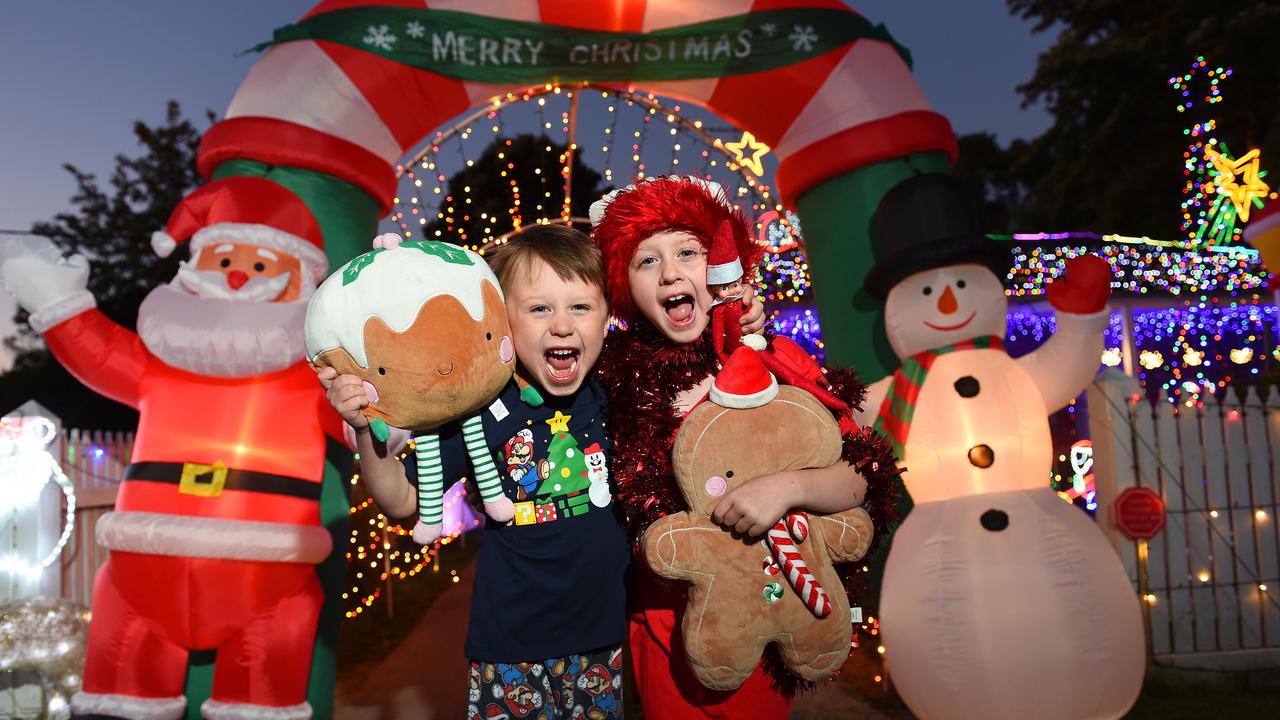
(551, 582)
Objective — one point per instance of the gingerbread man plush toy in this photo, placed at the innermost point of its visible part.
(746, 593)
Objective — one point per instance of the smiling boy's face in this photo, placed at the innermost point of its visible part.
(668, 280)
(558, 326)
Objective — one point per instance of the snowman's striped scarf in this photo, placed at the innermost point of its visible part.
(894, 419)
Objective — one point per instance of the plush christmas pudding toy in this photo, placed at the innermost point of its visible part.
(424, 325)
(746, 593)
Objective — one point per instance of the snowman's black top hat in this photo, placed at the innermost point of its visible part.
(925, 222)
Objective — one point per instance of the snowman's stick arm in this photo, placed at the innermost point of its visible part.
(1064, 365)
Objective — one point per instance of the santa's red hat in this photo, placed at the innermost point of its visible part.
(246, 209)
(744, 382)
(723, 265)
(627, 217)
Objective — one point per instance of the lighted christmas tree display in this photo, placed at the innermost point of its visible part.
(1220, 189)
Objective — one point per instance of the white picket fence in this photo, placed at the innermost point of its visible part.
(95, 462)
(1210, 581)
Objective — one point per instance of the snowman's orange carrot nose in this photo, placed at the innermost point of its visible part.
(947, 303)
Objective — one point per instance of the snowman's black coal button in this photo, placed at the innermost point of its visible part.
(994, 520)
(967, 386)
(981, 456)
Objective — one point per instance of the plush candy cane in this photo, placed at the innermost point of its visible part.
(782, 539)
(431, 478)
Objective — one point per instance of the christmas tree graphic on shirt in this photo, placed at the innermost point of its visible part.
(564, 490)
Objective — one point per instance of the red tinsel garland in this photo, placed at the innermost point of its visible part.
(642, 372)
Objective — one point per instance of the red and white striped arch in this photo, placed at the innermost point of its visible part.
(353, 114)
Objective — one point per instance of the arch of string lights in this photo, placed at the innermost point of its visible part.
(622, 134)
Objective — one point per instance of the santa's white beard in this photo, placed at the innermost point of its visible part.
(222, 338)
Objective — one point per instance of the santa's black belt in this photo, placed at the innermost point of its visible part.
(211, 480)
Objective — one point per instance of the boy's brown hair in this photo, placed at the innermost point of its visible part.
(566, 250)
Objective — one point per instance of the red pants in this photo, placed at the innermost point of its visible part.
(667, 688)
(150, 610)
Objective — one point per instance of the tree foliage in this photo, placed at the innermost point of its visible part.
(535, 165)
(988, 171)
(112, 227)
(1112, 160)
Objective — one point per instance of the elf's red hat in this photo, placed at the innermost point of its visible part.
(723, 265)
(244, 209)
(744, 382)
(637, 213)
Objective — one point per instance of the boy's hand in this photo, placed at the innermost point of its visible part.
(752, 320)
(756, 505)
(347, 395)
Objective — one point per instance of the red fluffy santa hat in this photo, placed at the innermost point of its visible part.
(744, 382)
(245, 209)
(625, 218)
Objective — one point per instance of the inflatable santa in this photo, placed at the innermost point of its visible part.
(216, 528)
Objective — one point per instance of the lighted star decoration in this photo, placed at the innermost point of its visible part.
(748, 145)
(559, 423)
(1248, 188)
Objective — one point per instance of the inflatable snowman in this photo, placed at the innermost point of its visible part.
(999, 599)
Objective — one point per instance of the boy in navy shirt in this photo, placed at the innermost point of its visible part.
(548, 611)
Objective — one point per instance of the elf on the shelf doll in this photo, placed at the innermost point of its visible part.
(730, 299)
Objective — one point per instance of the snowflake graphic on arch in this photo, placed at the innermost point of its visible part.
(802, 38)
(379, 36)
(414, 30)
(769, 29)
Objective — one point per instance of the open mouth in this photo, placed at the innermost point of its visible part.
(945, 328)
(562, 365)
(679, 309)
(445, 372)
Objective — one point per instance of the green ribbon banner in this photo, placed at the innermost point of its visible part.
(493, 50)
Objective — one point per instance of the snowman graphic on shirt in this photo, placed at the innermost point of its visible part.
(598, 474)
(992, 583)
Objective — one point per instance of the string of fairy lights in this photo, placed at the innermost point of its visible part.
(388, 550)
(538, 139)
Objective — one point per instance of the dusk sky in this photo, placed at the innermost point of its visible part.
(78, 74)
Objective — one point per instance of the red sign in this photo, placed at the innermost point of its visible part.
(1139, 513)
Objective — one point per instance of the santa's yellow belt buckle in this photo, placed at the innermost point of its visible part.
(192, 481)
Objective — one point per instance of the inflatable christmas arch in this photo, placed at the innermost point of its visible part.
(343, 94)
